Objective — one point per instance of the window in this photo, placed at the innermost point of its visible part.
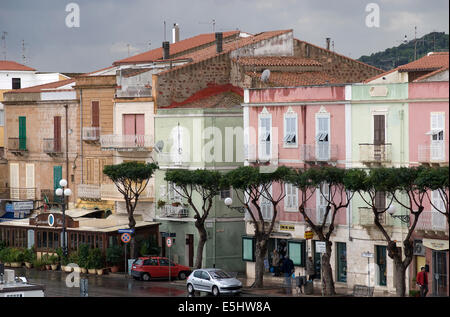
(297, 252)
(437, 136)
(57, 134)
(174, 195)
(205, 275)
(290, 129)
(248, 249)
(265, 127)
(16, 83)
(23, 133)
(291, 198)
(95, 114)
(152, 262)
(225, 193)
(323, 137)
(2, 117)
(322, 204)
(198, 274)
(381, 264)
(266, 206)
(341, 255)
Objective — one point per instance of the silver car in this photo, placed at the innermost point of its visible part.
(214, 281)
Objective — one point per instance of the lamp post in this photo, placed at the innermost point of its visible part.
(392, 209)
(63, 192)
(228, 201)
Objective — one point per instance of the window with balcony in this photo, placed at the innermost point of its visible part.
(266, 206)
(323, 137)
(290, 129)
(291, 198)
(437, 136)
(265, 130)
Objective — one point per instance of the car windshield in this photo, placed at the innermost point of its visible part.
(220, 274)
(138, 262)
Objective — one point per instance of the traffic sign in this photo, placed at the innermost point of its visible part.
(130, 231)
(321, 247)
(126, 237)
(309, 235)
(367, 255)
(169, 242)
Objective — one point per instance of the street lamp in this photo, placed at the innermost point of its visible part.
(392, 209)
(228, 201)
(63, 192)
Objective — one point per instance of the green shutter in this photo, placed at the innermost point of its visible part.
(297, 252)
(248, 249)
(22, 133)
(57, 176)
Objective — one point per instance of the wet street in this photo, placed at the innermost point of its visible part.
(115, 285)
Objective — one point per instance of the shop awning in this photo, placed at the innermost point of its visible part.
(435, 244)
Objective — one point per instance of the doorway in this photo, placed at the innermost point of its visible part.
(189, 250)
(381, 264)
(439, 273)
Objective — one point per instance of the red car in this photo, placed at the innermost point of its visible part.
(146, 268)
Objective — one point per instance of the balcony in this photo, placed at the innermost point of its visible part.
(432, 154)
(375, 153)
(250, 153)
(48, 195)
(89, 192)
(17, 193)
(52, 147)
(171, 159)
(134, 92)
(366, 218)
(171, 211)
(17, 146)
(318, 154)
(118, 142)
(91, 134)
(432, 221)
(110, 192)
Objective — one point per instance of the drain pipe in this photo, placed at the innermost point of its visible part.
(81, 134)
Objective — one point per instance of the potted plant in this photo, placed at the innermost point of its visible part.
(39, 264)
(45, 258)
(83, 253)
(72, 259)
(16, 257)
(92, 261)
(114, 257)
(54, 262)
(4, 256)
(29, 257)
(161, 204)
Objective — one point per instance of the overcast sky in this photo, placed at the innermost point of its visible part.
(107, 26)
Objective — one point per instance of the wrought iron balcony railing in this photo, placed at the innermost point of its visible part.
(91, 133)
(127, 142)
(432, 153)
(319, 153)
(375, 153)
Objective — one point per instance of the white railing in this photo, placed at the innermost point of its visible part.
(313, 152)
(91, 133)
(174, 211)
(87, 191)
(375, 153)
(110, 192)
(126, 142)
(22, 193)
(431, 153)
(432, 220)
(171, 158)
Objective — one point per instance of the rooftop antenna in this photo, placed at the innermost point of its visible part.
(213, 22)
(23, 53)
(164, 31)
(4, 44)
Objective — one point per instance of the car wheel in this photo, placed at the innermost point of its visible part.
(215, 291)
(146, 277)
(182, 275)
(190, 289)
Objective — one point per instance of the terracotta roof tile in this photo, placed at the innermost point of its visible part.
(432, 61)
(44, 87)
(11, 65)
(291, 79)
(175, 48)
(276, 61)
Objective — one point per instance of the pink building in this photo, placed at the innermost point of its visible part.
(297, 127)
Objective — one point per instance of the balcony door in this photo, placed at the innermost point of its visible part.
(323, 138)
(134, 129)
(437, 136)
(14, 180)
(379, 136)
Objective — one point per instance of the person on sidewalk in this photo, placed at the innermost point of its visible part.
(288, 269)
(276, 263)
(310, 270)
(422, 281)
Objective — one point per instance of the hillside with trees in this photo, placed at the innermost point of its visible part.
(404, 53)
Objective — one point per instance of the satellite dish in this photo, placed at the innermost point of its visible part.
(159, 146)
(265, 75)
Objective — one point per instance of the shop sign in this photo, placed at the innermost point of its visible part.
(309, 235)
(23, 205)
(287, 228)
(435, 244)
(321, 247)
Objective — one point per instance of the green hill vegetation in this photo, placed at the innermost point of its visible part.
(404, 53)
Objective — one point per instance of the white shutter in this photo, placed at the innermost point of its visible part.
(290, 130)
(437, 136)
(266, 206)
(14, 180)
(322, 137)
(438, 219)
(265, 137)
(176, 153)
(322, 204)
(30, 181)
(291, 198)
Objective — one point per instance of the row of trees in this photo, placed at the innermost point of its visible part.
(408, 187)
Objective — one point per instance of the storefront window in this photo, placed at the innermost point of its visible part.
(341, 262)
(296, 252)
(248, 249)
(381, 264)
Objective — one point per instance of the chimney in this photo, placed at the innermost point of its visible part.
(166, 50)
(219, 42)
(175, 33)
(328, 43)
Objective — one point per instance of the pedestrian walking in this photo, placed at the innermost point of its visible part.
(288, 270)
(310, 270)
(422, 281)
(276, 263)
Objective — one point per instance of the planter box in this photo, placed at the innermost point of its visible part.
(92, 271)
(99, 271)
(54, 267)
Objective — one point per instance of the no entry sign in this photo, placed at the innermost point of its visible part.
(169, 242)
(126, 237)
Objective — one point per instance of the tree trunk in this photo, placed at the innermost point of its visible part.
(400, 279)
(132, 225)
(201, 244)
(327, 272)
(260, 253)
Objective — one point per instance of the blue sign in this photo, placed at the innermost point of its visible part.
(167, 234)
(9, 208)
(126, 231)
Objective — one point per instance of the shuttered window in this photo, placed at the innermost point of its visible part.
(379, 129)
(57, 133)
(22, 133)
(95, 114)
(290, 129)
(291, 198)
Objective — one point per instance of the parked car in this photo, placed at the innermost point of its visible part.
(146, 268)
(214, 281)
